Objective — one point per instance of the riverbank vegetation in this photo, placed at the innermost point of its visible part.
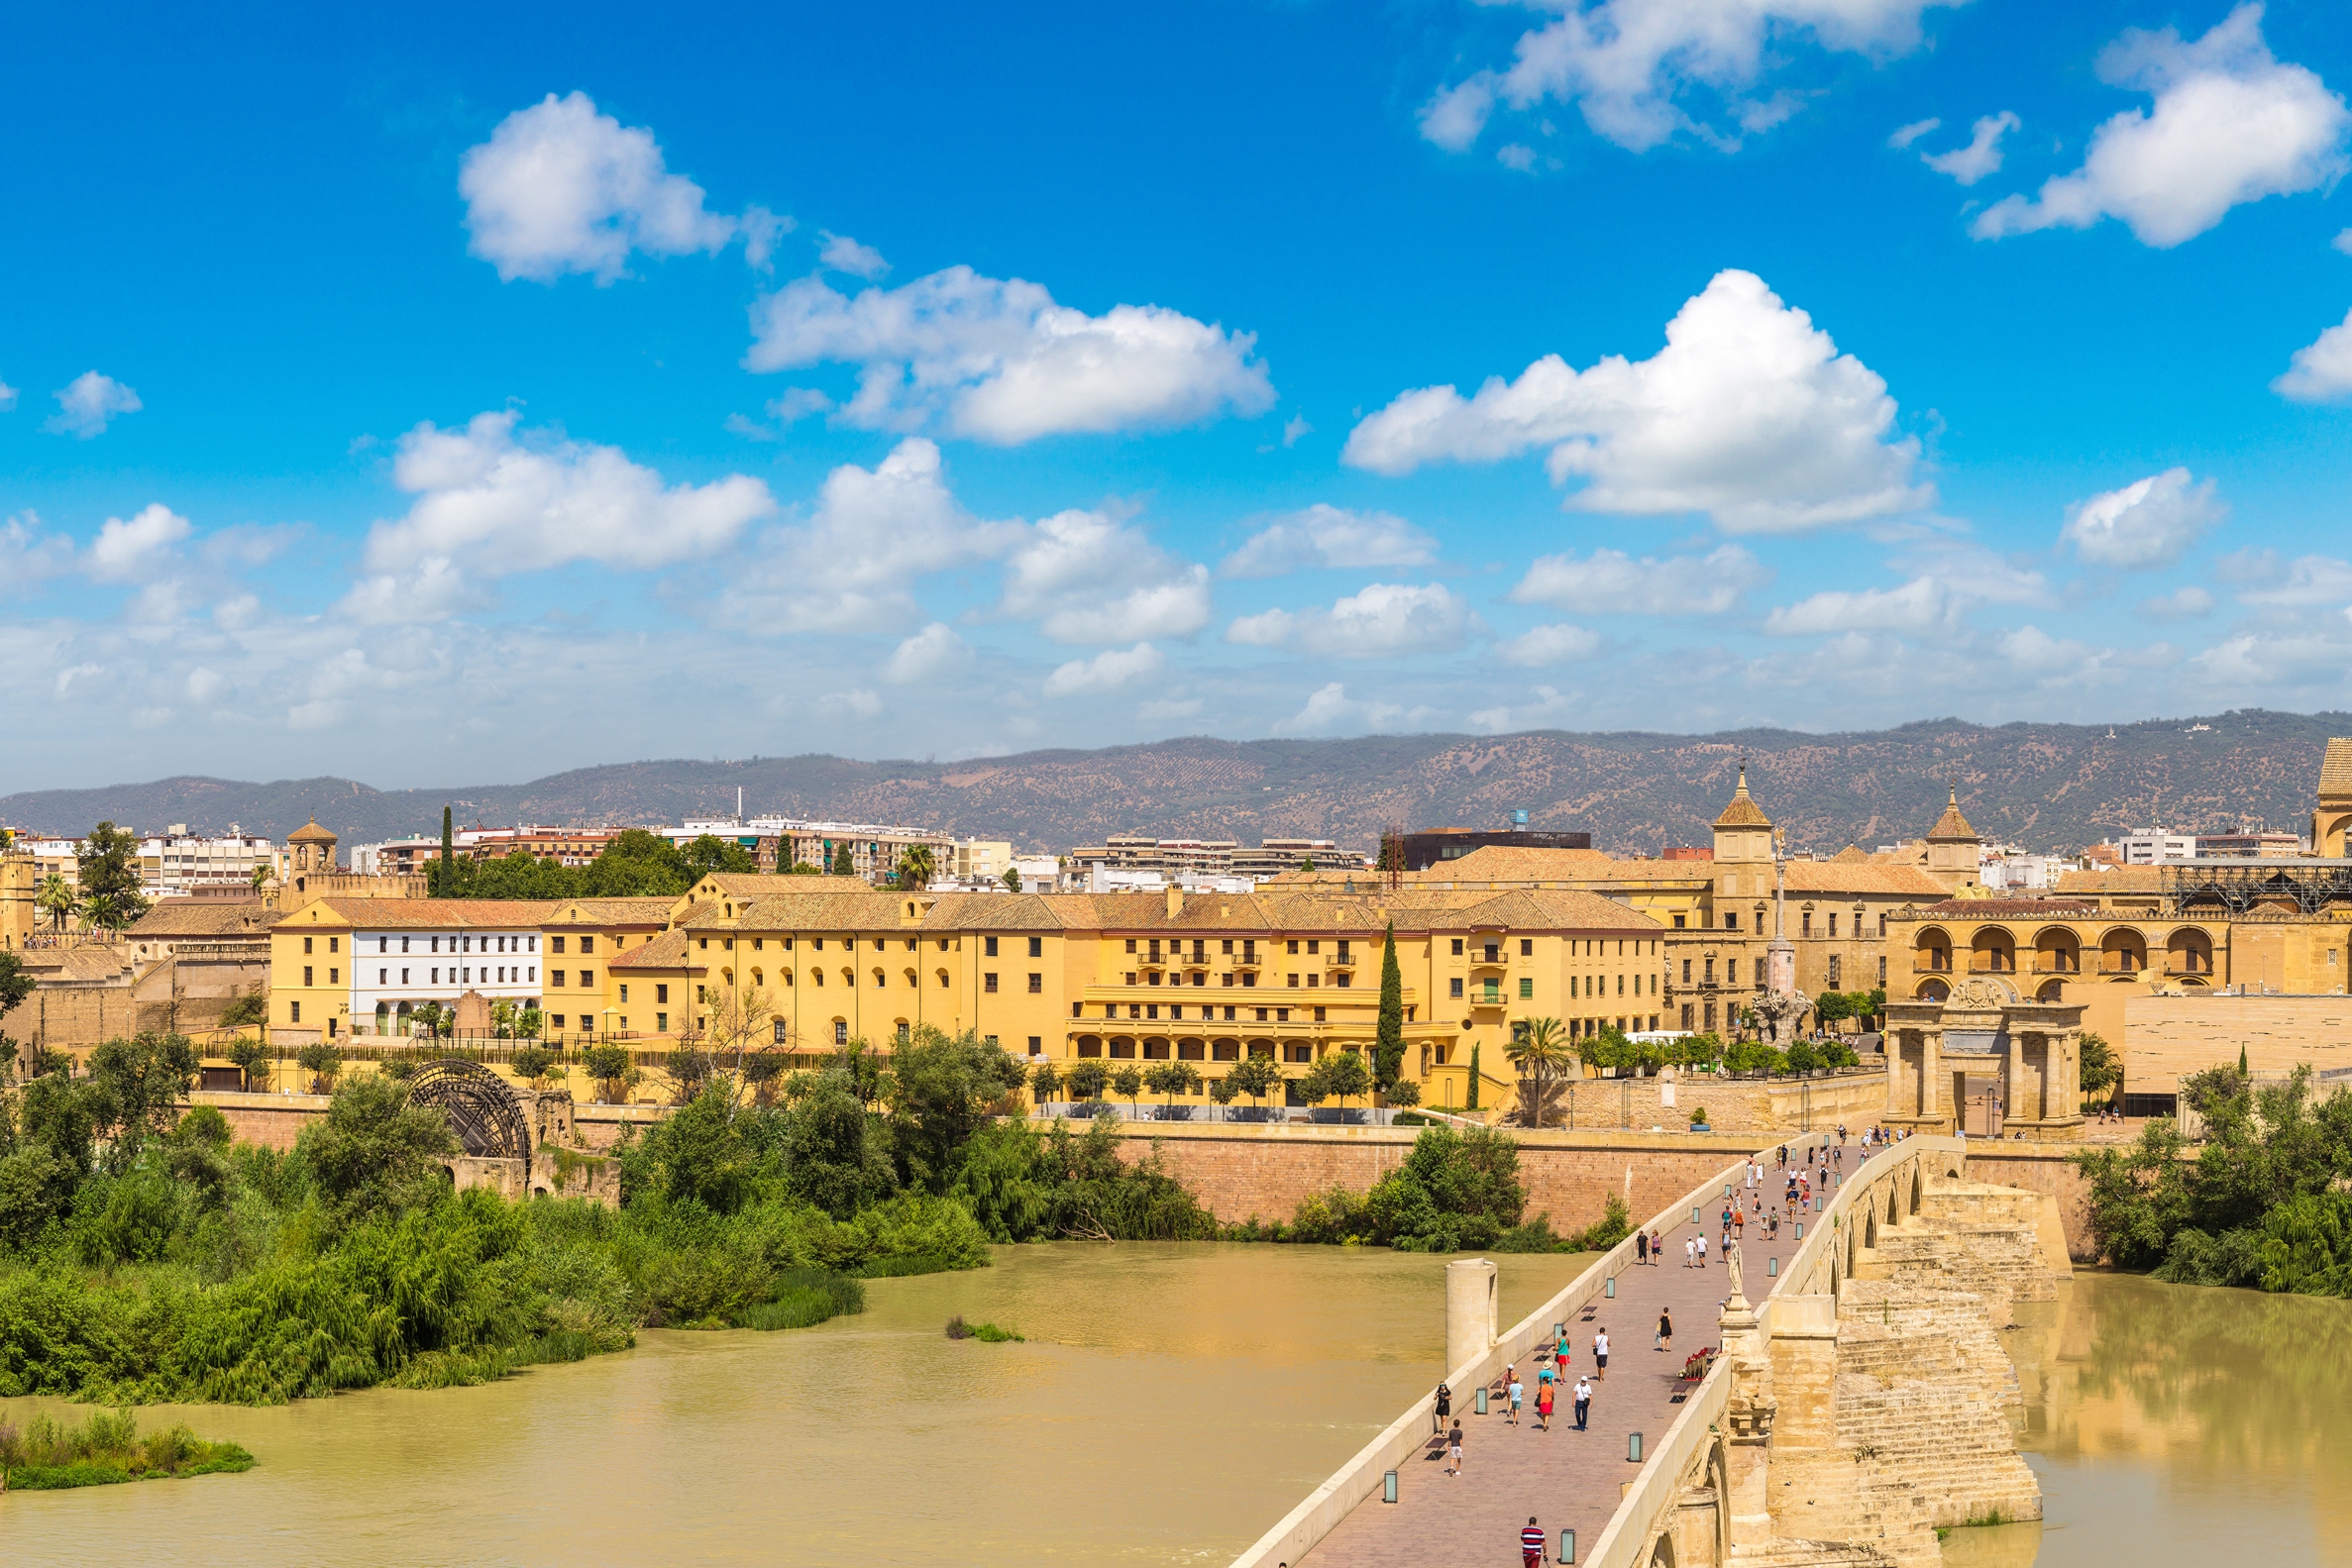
(1457, 1191)
(145, 1256)
(2260, 1202)
(104, 1450)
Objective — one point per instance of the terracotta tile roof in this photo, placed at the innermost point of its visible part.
(803, 911)
(1851, 855)
(611, 911)
(1830, 877)
(670, 950)
(418, 914)
(2011, 908)
(186, 917)
(2122, 878)
(746, 884)
(2336, 769)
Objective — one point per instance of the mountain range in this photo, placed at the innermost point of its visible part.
(2043, 785)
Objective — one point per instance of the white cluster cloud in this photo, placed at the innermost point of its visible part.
(1106, 670)
(88, 404)
(1382, 621)
(852, 565)
(1610, 581)
(8, 397)
(493, 506)
(998, 360)
(1981, 156)
(28, 556)
(2149, 523)
(1920, 606)
(1542, 647)
(2182, 604)
(1749, 414)
(1086, 577)
(930, 655)
(1324, 535)
(560, 187)
(844, 254)
(133, 549)
(1330, 710)
(2229, 124)
(2320, 371)
(1629, 64)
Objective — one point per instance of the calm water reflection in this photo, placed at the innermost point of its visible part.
(1173, 1401)
(2180, 1424)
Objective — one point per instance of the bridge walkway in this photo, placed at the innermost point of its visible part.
(1564, 1477)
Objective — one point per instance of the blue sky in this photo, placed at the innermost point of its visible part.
(467, 400)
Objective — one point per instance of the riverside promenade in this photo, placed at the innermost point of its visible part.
(1564, 1477)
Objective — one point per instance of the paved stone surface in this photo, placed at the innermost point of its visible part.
(1565, 1476)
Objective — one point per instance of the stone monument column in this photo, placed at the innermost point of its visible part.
(2013, 1074)
(1470, 1308)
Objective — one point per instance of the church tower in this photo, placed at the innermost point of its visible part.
(1951, 847)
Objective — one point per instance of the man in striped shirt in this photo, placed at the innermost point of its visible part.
(1531, 1542)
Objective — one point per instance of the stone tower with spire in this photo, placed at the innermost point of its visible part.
(1951, 849)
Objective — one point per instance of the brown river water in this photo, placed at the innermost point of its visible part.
(1170, 1404)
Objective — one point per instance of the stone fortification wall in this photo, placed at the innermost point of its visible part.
(2166, 1038)
(1241, 1170)
(1749, 1106)
(276, 1121)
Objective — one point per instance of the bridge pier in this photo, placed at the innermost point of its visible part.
(1472, 1306)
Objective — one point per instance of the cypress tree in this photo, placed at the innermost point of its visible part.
(1473, 1104)
(1388, 1045)
(842, 865)
(448, 838)
(2241, 1060)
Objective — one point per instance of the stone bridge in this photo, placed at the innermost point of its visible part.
(1859, 1403)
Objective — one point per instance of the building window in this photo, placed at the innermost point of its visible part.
(334, 944)
(1805, 923)
(1731, 919)
(1526, 989)
(1708, 974)
(588, 944)
(1881, 971)
(1833, 967)
(384, 976)
(1832, 925)
(587, 977)
(988, 949)
(554, 944)
(1036, 947)
(1527, 947)
(1319, 1015)
(306, 944)
(1731, 971)
(1343, 980)
(1457, 985)
(988, 982)
(1130, 943)
(1298, 1053)
(295, 1011)
(306, 980)
(1686, 1015)
(1282, 1015)
(660, 994)
(840, 1031)
(1294, 944)
(661, 1023)
(1037, 1045)
(1036, 985)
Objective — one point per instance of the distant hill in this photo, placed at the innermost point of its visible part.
(2044, 785)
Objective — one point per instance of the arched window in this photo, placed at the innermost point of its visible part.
(942, 979)
(880, 980)
(785, 975)
(758, 979)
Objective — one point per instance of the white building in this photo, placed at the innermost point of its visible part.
(2154, 847)
(405, 953)
(175, 862)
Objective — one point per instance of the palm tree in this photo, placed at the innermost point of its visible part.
(262, 881)
(57, 900)
(916, 866)
(1536, 1051)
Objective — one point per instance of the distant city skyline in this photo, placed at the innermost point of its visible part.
(495, 397)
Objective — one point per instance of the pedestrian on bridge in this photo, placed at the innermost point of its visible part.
(1641, 1246)
(1531, 1544)
(1600, 1353)
(1665, 1329)
(1702, 1249)
(1691, 1252)
(1545, 1394)
(1443, 1409)
(1583, 1401)
(1453, 1450)
(1518, 1393)
(1657, 1247)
